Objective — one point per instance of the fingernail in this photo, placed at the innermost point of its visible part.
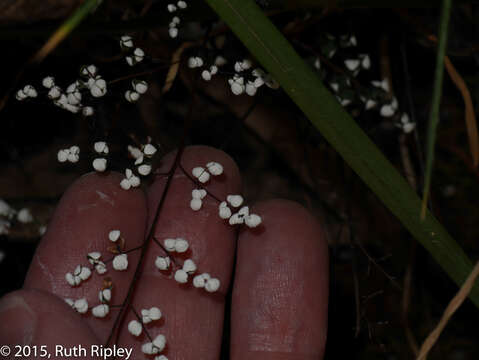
(17, 320)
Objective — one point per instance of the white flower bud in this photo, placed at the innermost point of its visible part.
(215, 168)
(352, 64)
(252, 220)
(70, 279)
(25, 216)
(169, 244)
(134, 327)
(206, 75)
(120, 262)
(149, 348)
(155, 313)
(126, 42)
(144, 169)
(212, 285)
(84, 273)
(101, 147)
(189, 266)
(100, 311)
(181, 276)
(181, 245)
(160, 342)
(173, 32)
(54, 93)
(235, 200)
(149, 150)
(87, 111)
(198, 193)
(199, 281)
(81, 305)
(114, 235)
(162, 263)
(48, 82)
(104, 295)
(99, 164)
(195, 204)
(140, 86)
(139, 54)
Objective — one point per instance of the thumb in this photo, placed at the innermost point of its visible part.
(33, 317)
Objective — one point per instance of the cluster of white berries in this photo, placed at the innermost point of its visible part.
(195, 62)
(178, 245)
(355, 65)
(138, 56)
(70, 99)
(95, 83)
(189, 267)
(207, 75)
(348, 40)
(135, 55)
(71, 155)
(155, 347)
(406, 124)
(147, 316)
(242, 216)
(197, 196)
(100, 163)
(173, 26)
(131, 180)
(120, 261)
(203, 174)
(136, 328)
(101, 310)
(239, 85)
(27, 92)
(207, 282)
(81, 273)
(80, 305)
(241, 82)
(139, 87)
(94, 258)
(8, 213)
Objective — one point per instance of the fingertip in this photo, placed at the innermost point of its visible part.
(93, 206)
(29, 317)
(280, 293)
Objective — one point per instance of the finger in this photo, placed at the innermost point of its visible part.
(280, 295)
(32, 317)
(193, 318)
(90, 208)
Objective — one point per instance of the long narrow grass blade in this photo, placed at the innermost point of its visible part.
(275, 53)
(436, 101)
(66, 28)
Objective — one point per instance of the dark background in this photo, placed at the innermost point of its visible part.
(278, 150)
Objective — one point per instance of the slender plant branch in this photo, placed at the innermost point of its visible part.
(436, 101)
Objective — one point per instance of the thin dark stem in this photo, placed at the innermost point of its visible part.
(140, 320)
(136, 276)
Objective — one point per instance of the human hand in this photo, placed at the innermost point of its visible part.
(278, 307)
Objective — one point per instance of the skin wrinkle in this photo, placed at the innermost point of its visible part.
(106, 198)
(47, 273)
